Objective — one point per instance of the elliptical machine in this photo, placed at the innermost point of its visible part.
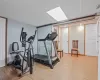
(28, 55)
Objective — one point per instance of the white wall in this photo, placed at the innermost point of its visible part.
(76, 34)
(2, 41)
(14, 30)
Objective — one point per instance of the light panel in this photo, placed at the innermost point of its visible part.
(57, 14)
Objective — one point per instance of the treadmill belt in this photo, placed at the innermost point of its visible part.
(43, 57)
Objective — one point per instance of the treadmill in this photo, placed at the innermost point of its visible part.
(48, 59)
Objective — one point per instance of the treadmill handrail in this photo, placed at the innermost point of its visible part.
(49, 37)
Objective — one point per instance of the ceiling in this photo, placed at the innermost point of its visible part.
(34, 11)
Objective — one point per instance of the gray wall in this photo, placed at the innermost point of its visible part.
(75, 34)
(42, 33)
(14, 30)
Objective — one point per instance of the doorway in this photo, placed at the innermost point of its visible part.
(65, 39)
(62, 38)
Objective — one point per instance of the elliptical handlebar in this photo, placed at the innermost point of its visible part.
(35, 32)
(21, 34)
(23, 39)
(32, 37)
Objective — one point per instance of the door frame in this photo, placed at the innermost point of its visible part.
(6, 39)
(60, 35)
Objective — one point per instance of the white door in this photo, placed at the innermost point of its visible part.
(65, 40)
(91, 40)
(2, 42)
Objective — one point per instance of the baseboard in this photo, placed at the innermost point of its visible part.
(81, 54)
(76, 54)
(2, 63)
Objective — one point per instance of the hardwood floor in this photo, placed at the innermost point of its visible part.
(8, 73)
(69, 68)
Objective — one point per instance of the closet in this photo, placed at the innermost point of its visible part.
(91, 40)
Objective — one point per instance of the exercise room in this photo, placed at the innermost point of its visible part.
(50, 40)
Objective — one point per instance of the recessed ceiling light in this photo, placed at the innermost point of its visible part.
(81, 27)
(57, 14)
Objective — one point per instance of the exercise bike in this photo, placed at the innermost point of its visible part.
(28, 56)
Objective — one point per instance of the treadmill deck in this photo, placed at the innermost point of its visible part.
(44, 57)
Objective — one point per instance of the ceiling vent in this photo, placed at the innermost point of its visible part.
(98, 6)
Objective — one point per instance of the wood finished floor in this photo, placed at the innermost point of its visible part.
(9, 73)
(69, 68)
